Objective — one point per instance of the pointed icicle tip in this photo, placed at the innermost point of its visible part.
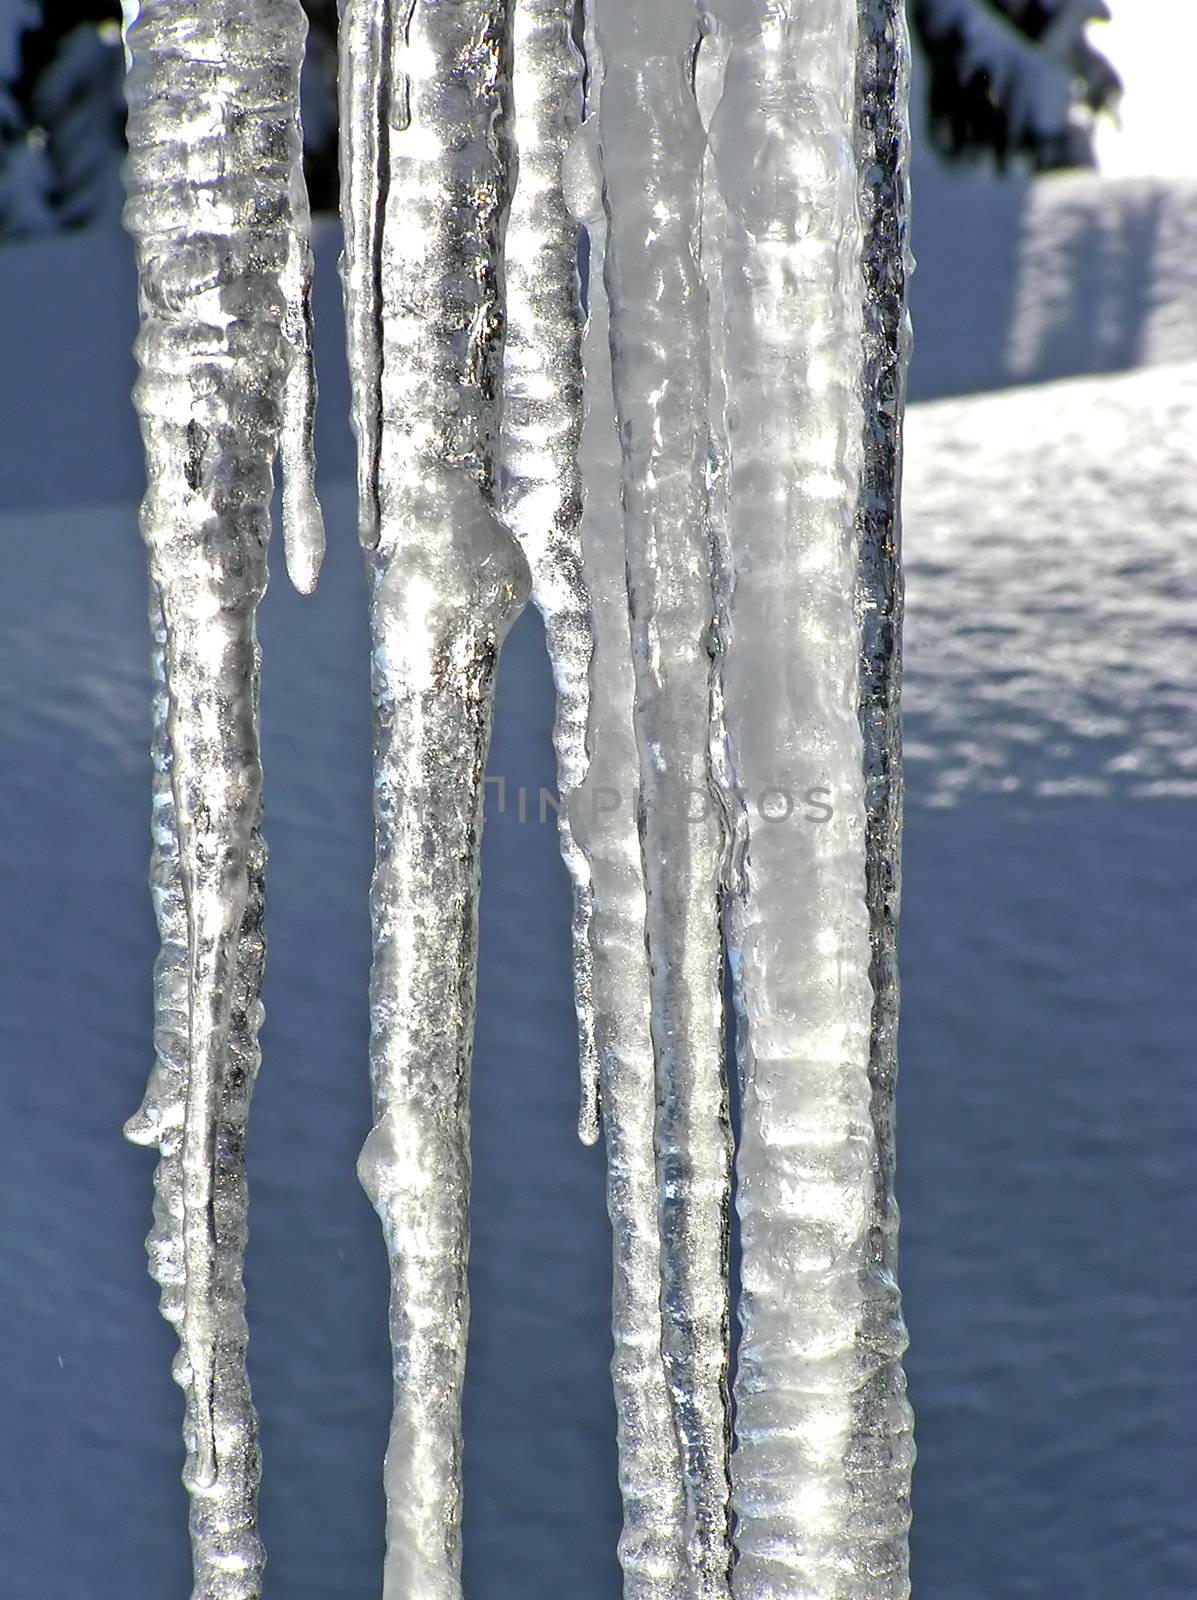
(303, 537)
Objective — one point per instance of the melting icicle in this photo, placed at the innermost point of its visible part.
(303, 524)
(882, 155)
(733, 680)
(652, 143)
(822, 1461)
(542, 411)
(214, 207)
(426, 93)
(652, 1547)
(363, 84)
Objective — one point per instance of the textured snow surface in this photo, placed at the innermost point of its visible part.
(1045, 1098)
(1056, 667)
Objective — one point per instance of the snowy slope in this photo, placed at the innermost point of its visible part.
(1044, 1106)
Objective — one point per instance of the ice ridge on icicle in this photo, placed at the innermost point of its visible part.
(228, 1554)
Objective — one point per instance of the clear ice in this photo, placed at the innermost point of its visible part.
(652, 141)
(625, 312)
(219, 218)
(426, 93)
(652, 1546)
(820, 1472)
(542, 420)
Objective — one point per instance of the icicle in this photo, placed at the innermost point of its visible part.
(652, 1545)
(882, 157)
(542, 409)
(303, 524)
(426, 92)
(652, 143)
(821, 1468)
(212, 184)
(364, 83)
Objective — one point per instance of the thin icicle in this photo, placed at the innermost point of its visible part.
(363, 85)
(214, 144)
(882, 159)
(542, 414)
(426, 91)
(303, 524)
(652, 1546)
(652, 143)
(821, 1468)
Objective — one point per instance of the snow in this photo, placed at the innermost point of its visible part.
(1023, 282)
(1046, 925)
(1077, 677)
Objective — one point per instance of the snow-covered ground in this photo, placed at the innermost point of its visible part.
(1046, 1098)
(1052, 591)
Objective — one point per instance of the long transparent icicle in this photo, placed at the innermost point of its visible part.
(821, 1467)
(217, 213)
(542, 414)
(652, 1546)
(425, 96)
(652, 144)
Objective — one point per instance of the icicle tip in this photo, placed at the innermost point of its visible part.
(303, 538)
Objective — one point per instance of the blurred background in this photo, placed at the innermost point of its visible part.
(1046, 1099)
